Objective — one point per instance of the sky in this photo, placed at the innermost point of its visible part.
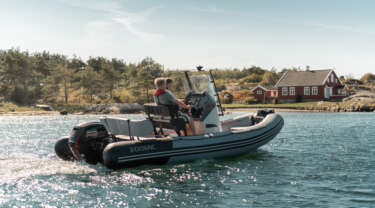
(337, 34)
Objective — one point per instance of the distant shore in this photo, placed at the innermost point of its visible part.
(232, 109)
(276, 109)
(95, 109)
(56, 113)
(319, 107)
(362, 101)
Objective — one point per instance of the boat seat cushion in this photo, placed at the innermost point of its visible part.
(161, 110)
(165, 116)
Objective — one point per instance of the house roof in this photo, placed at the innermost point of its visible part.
(304, 78)
(265, 88)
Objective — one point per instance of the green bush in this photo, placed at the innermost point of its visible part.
(117, 99)
(275, 101)
(226, 98)
(299, 98)
(252, 78)
(220, 87)
(19, 96)
(251, 100)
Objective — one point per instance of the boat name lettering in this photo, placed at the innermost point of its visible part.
(144, 148)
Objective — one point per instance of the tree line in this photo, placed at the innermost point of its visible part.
(43, 77)
(52, 78)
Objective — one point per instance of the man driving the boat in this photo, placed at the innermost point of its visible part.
(162, 96)
(169, 86)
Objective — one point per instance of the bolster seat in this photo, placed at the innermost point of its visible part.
(165, 116)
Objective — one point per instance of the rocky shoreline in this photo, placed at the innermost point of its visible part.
(362, 101)
(116, 108)
(327, 109)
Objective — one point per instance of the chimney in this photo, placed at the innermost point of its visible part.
(307, 68)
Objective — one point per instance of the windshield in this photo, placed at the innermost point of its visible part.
(200, 83)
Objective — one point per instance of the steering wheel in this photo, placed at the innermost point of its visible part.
(194, 100)
(188, 99)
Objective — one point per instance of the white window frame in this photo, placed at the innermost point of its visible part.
(284, 91)
(332, 77)
(259, 92)
(306, 90)
(314, 90)
(292, 91)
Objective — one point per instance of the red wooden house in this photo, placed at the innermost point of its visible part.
(309, 85)
(265, 94)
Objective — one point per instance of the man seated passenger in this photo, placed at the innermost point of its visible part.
(165, 97)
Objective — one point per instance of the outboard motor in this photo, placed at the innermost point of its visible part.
(86, 142)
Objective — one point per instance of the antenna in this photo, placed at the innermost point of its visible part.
(188, 80)
(217, 94)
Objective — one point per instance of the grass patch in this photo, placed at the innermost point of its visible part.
(284, 105)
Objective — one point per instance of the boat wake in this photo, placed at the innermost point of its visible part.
(26, 166)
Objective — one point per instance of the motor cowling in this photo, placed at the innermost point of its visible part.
(87, 142)
(264, 112)
(62, 149)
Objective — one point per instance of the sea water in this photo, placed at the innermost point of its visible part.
(317, 160)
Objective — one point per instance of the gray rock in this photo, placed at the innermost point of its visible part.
(115, 108)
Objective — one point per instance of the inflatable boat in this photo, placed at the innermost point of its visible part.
(160, 137)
